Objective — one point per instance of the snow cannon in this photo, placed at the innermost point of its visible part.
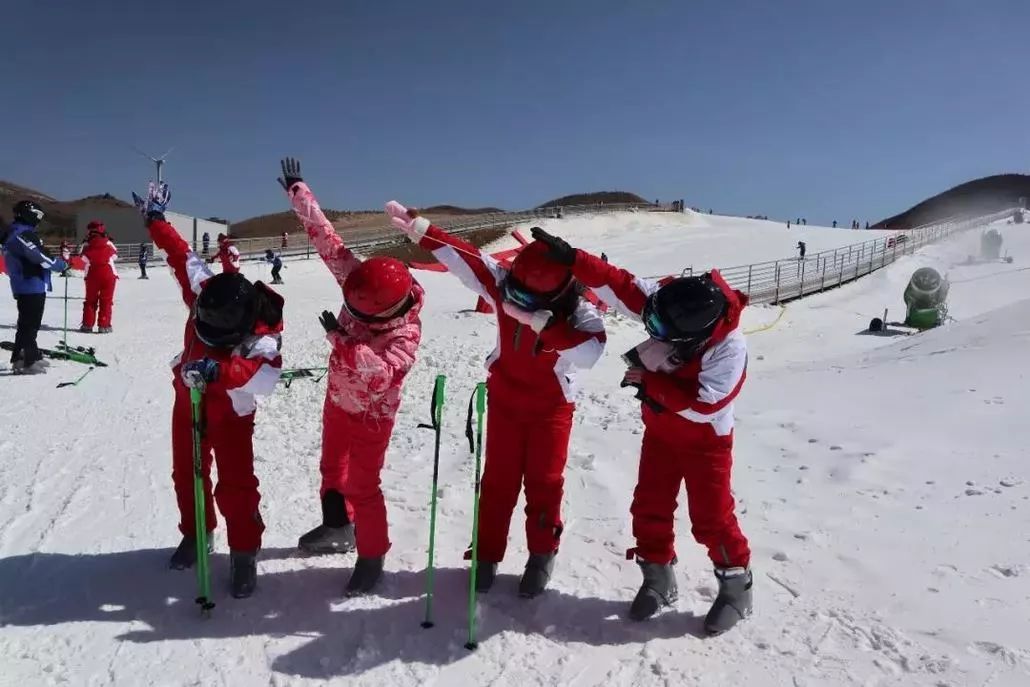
(990, 245)
(926, 299)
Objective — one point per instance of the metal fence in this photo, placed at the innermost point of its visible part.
(783, 280)
(363, 239)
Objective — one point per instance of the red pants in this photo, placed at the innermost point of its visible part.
(353, 454)
(99, 294)
(230, 437)
(676, 451)
(524, 445)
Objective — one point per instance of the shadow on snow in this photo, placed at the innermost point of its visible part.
(348, 637)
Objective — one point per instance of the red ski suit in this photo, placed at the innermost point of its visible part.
(367, 368)
(531, 386)
(99, 254)
(688, 435)
(245, 372)
(229, 255)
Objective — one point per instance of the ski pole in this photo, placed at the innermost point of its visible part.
(76, 382)
(199, 517)
(436, 415)
(477, 449)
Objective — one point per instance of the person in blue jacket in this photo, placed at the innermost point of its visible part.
(277, 265)
(29, 267)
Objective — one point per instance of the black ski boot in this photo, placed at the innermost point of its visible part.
(485, 575)
(243, 573)
(733, 603)
(366, 575)
(537, 575)
(185, 555)
(335, 534)
(658, 589)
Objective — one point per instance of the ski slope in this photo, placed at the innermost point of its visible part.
(882, 481)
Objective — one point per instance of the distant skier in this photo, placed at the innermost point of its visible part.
(29, 266)
(277, 265)
(231, 351)
(285, 241)
(206, 241)
(99, 254)
(546, 332)
(687, 375)
(374, 341)
(802, 248)
(867, 225)
(834, 224)
(228, 254)
(143, 258)
(66, 251)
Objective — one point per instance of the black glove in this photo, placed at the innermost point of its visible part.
(329, 322)
(560, 251)
(291, 173)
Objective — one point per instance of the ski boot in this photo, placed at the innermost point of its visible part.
(105, 330)
(537, 575)
(367, 573)
(242, 573)
(185, 555)
(335, 534)
(658, 589)
(86, 330)
(733, 603)
(486, 573)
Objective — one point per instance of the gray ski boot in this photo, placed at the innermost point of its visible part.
(733, 603)
(335, 534)
(486, 573)
(185, 555)
(366, 575)
(243, 573)
(537, 575)
(657, 590)
(105, 330)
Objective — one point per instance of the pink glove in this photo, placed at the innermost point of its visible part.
(535, 320)
(407, 221)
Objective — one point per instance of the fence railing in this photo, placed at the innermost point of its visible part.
(782, 280)
(362, 239)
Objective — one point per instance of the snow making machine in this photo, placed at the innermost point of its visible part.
(926, 304)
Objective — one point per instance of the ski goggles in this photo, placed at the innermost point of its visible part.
(388, 315)
(514, 292)
(655, 326)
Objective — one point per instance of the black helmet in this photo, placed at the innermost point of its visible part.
(685, 310)
(28, 212)
(225, 310)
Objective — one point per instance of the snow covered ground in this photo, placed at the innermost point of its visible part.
(883, 482)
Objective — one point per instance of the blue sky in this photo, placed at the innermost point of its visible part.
(820, 108)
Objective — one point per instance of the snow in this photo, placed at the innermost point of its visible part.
(882, 482)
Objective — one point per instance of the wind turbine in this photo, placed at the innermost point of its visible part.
(158, 161)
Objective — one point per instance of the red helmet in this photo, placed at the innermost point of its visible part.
(378, 289)
(96, 227)
(536, 280)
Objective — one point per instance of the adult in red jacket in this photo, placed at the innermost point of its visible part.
(687, 374)
(230, 350)
(99, 255)
(374, 340)
(546, 331)
(228, 254)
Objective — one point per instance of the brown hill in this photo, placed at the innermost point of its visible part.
(60, 215)
(600, 197)
(978, 197)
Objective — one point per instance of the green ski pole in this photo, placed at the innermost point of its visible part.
(436, 414)
(203, 574)
(76, 382)
(480, 400)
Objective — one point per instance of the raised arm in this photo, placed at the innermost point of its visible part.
(579, 340)
(189, 268)
(336, 256)
(474, 268)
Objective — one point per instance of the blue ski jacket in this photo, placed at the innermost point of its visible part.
(28, 265)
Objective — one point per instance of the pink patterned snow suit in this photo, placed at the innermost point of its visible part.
(366, 370)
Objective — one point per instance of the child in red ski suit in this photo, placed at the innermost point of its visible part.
(687, 375)
(230, 350)
(374, 341)
(228, 254)
(546, 331)
(99, 254)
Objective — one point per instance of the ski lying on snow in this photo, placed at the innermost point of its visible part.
(76, 356)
